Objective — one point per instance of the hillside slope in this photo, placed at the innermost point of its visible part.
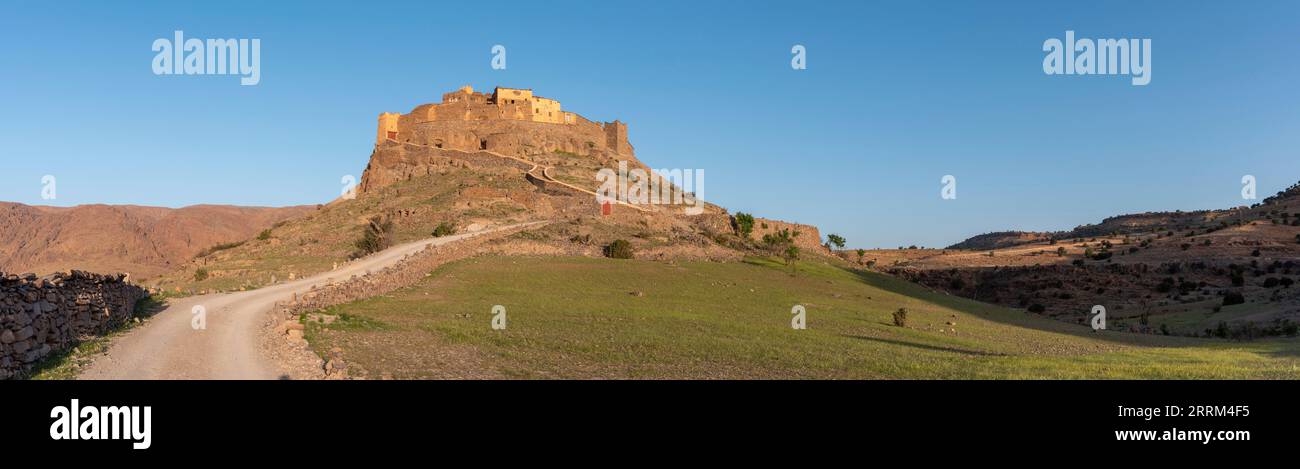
(143, 241)
(732, 320)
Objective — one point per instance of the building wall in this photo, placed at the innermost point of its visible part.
(388, 122)
(547, 110)
(469, 121)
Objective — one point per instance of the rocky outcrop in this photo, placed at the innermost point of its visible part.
(42, 315)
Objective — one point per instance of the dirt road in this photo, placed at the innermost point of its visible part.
(169, 347)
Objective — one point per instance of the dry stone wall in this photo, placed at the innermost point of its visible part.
(39, 316)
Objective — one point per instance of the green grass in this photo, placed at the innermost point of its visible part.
(572, 317)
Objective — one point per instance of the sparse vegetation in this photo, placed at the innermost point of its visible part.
(200, 274)
(264, 235)
(619, 249)
(218, 248)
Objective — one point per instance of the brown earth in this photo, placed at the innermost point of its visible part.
(142, 241)
(1155, 272)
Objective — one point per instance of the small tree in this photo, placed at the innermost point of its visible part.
(782, 244)
(791, 255)
(835, 240)
(744, 224)
(861, 253)
(900, 317)
(375, 237)
(1060, 251)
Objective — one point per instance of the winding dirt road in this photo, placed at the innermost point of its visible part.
(168, 347)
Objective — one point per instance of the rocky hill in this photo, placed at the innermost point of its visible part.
(1225, 272)
(476, 161)
(142, 241)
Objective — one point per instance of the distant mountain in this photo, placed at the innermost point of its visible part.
(1000, 240)
(142, 241)
(1280, 207)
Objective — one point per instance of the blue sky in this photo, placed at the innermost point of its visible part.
(896, 95)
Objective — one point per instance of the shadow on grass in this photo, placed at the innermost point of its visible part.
(65, 364)
(934, 348)
(1012, 317)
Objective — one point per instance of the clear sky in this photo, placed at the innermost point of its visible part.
(895, 96)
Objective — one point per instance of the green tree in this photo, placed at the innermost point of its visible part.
(782, 243)
(744, 224)
(861, 253)
(835, 240)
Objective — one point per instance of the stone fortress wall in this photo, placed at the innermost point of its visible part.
(40, 316)
(510, 121)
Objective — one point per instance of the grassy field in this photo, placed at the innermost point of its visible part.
(579, 318)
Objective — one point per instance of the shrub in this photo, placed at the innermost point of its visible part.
(861, 252)
(376, 236)
(1254, 253)
(1037, 308)
(619, 249)
(1272, 282)
(264, 235)
(200, 275)
(444, 229)
(744, 224)
(219, 247)
(957, 283)
(1221, 331)
(1186, 246)
(1233, 298)
(900, 317)
(1060, 251)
